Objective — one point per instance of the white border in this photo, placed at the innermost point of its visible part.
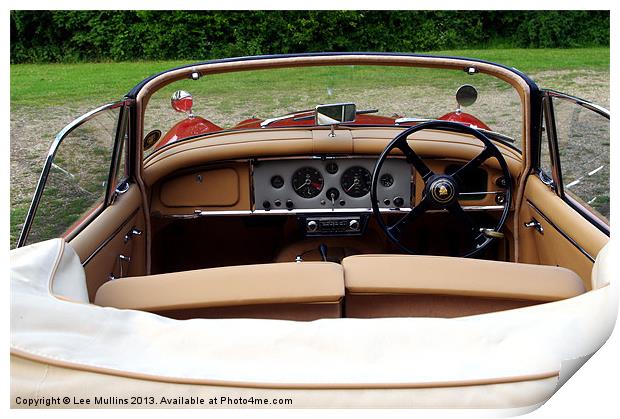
(591, 393)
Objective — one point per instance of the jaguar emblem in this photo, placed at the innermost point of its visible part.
(442, 191)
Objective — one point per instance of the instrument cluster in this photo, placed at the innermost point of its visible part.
(329, 183)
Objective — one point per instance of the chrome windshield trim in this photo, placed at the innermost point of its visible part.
(407, 120)
(578, 101)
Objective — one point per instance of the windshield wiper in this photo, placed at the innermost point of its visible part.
(270, 121)
(492, 134)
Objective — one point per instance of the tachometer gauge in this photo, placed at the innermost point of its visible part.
(355, 181)
(307, 182)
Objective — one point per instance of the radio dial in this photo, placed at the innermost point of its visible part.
(312, 226)
(354, 225)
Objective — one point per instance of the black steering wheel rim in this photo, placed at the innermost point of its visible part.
(441, 182)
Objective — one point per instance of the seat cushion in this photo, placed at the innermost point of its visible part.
(277, 283)
(436, 275)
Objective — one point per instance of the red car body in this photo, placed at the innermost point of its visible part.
(195, 125)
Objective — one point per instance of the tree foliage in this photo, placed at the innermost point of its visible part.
(72, 36)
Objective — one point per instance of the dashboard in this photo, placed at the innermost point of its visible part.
(328, 195)
(330, 184)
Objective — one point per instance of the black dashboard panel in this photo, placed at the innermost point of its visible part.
(476, 181)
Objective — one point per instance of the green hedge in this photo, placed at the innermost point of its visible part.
(71, 36)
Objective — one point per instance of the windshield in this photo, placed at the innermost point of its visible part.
(384, 94)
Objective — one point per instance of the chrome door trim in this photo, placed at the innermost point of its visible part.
(554, 150)
(36, 199)
(108, 239)
(119, 148)
(578, 101)
(559, 230)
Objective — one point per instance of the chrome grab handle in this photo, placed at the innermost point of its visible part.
(133, 232)
(121, 259)
(535, 224)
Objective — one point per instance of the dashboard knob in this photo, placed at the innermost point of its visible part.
(266, 204)
(354, 225)
(289, 204)
(312, 225)
(399, 201)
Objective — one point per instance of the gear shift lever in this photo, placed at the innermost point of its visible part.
(323, 251)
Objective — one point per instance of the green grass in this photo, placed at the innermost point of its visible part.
(532, 60)
(37, 88)
(37, 85)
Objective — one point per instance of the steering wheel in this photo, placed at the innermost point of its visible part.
(441, 191)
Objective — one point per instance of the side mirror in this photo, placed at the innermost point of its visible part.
(334, 114)
(466, 95)
(182, 101)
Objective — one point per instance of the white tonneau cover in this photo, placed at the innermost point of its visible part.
(508, 360)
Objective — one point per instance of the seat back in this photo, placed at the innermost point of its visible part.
(434, 286)
(296, 291)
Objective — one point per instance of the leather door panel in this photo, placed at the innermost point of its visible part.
(100, 244)
(567, 238)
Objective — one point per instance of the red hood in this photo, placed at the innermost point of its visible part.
(196, 125)
(308, 120)
(465, 118)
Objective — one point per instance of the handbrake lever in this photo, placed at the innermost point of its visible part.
(323, 251)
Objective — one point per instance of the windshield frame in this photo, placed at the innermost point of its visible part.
(527, 90)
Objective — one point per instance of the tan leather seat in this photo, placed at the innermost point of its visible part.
(433, 286)
(297, 291)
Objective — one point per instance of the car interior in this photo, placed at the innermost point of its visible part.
(278, 223)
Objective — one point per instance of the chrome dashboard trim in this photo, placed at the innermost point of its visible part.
(219, 213)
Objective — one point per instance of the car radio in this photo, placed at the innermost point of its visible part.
(342, 225)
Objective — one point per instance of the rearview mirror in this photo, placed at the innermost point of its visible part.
(335, 113)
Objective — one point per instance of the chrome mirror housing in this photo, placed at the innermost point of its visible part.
(335, 113)
(182, 101)
(466, 95)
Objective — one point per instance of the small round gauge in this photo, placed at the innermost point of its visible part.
(332, 194)
(355, 181)
(331, 167)
(277, 181)
(307, 182)
(386, 180)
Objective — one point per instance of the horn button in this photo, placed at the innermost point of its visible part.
(442, 190)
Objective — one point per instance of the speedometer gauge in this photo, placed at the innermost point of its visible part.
(355, 181)
(307, 182)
